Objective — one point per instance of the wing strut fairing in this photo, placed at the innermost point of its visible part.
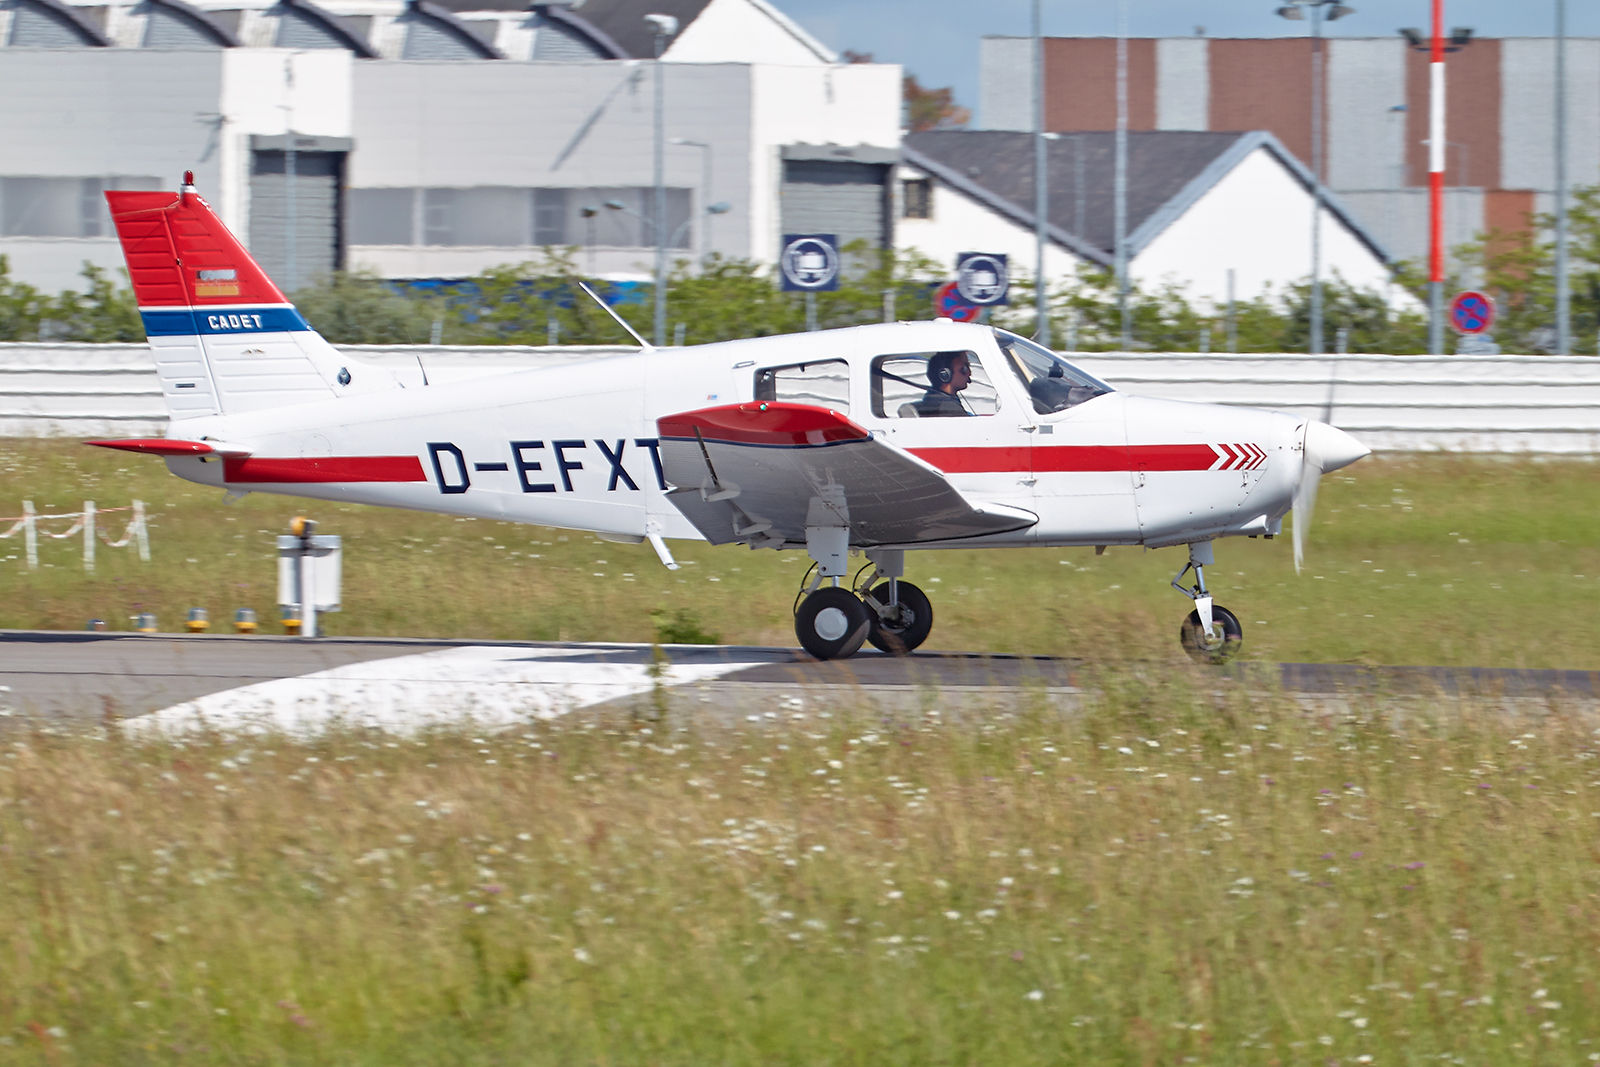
(761, 472)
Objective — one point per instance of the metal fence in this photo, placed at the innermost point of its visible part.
(1546, 404)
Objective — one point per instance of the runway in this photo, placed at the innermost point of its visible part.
(169, 682)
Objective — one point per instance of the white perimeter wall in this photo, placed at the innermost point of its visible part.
(1540, 404)
(1256, 220)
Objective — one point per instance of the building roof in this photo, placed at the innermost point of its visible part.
(1168, 171)
(622, 21)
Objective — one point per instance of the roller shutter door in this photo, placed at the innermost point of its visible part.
(317, 210)
(843, 198)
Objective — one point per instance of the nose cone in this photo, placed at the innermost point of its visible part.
(1331, 448)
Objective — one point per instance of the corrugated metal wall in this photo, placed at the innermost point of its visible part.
(1544, 404)
(317, 215)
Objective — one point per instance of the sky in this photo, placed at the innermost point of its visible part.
(937, 40)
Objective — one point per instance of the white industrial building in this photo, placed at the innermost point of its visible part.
(1199, 206)
(431, 142)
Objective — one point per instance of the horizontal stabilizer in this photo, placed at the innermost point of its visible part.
(760, 473)
(162, 446)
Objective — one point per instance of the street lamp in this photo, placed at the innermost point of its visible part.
(721, 207)
(705, 187)
(665, 27)
(1320, 10)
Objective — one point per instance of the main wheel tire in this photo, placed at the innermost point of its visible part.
(1224, 641)
(916, 620)
(832, 623)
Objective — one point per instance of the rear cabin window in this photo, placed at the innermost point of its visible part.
(907, 386)
(823, 384)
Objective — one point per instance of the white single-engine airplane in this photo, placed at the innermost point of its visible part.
(826, 442)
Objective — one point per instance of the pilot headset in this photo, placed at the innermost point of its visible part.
(946, 369)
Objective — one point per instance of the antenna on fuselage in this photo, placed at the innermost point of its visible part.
(609, 310)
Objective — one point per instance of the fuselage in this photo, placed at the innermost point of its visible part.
(577, 446)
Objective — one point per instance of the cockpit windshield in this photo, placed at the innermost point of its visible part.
(1053, 384)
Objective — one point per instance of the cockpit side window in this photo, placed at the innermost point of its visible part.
(823, 384)
(922, 385)
(1052, 383)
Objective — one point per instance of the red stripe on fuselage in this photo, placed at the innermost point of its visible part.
(1068, 458)
(257, 470)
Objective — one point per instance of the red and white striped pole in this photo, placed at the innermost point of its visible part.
(1436, 147)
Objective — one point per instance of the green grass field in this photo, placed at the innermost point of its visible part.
(1176, 876)
(1446, 560)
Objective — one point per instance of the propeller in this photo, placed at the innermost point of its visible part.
(1324, 448)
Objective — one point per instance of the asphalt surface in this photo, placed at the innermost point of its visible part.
(87, 676)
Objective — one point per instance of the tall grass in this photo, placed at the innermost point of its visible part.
(1178, 875)
(1438, 559)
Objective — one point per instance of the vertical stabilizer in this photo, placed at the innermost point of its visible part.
(225, 339)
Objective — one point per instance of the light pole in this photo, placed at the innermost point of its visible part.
(1295, 9)
(1120, 182)
(705, 188)
(1563, 288)
(665, 27)
(1041, 185)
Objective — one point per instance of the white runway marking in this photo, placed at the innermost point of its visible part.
(483, 686)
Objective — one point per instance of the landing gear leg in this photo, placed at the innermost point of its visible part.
(1211, 633)
(830, 622)
(901, 615)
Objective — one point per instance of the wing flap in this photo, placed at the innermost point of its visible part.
(764, 471)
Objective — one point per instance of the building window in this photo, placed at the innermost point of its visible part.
(514, 217)
(61, 207)
(917, 194)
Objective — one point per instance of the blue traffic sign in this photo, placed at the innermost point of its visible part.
(982, 278)
(810, 262)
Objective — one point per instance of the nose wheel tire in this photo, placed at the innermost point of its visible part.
(1222, 643)
(832, 623)
(897, 636)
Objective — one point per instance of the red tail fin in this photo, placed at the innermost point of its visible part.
(181, 255)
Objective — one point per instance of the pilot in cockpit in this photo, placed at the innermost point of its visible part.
(948, 374)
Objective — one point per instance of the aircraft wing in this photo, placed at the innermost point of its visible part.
(762, 472)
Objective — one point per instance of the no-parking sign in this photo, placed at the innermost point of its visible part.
(1472, 312)
(948, 303)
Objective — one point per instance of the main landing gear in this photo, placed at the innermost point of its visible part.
(832, 621)
(1211, 633)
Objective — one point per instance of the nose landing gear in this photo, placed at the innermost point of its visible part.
(1211, 633)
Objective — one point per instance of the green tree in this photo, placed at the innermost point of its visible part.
(103, 312)
(22, 307)
(1518, 270)
(362, 309)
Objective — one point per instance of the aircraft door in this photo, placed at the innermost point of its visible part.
(1079, 458)
(944, 408)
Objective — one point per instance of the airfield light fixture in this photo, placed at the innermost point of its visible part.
(198, 621)
(244, 621)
